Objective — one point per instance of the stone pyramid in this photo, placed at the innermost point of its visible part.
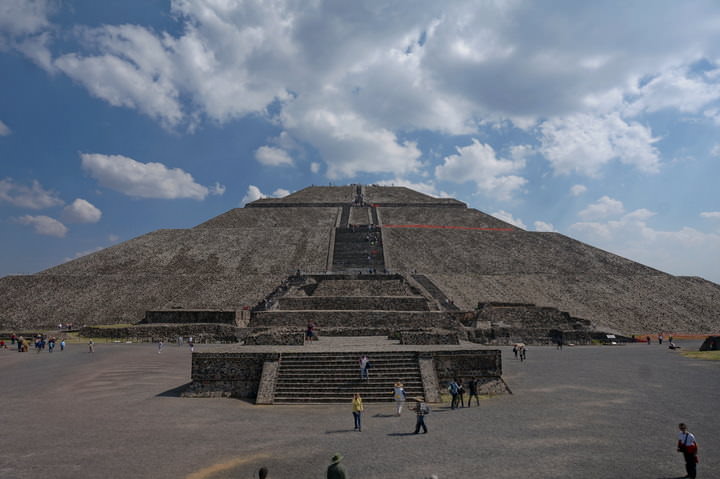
(459, 256)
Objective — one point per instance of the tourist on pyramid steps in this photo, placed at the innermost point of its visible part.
(399, 396)
(310, 332)
(523, 354)
(660, 338)
(461, 393)
(421, 410)
(687, 445)
(62, 345)
(263, 472)
(335, 469)
(91, 346)
(357, 410)
(473, 391)
(648, 340)
(364, 366)
(515, 350)
(453, 388)
(2, 344)
(161, 345)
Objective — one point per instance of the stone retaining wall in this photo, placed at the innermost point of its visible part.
(177, 316)
(357, 319)
(201, 333)
(227, 374)
(386, 303)
(429, 337)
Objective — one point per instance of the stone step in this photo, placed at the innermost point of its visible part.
(355, 318)
(383, 303)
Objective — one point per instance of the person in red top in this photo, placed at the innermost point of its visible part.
(688, 446)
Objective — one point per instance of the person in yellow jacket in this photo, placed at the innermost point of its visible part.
(357, 409)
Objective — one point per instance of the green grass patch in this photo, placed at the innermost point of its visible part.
(709, 355)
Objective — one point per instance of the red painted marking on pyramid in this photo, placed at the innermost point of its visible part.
(448, 227)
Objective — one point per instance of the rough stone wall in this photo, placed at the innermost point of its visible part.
(276, 336)
(455, 217)
(356, 319)
(467, 364)
(320, 217)
(537, 336)
(369, 285)
(389, 303)
(429, 337)
(175, 316)
(227, 374)
(201, 333)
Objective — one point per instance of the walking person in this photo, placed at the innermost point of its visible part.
(364, 365)
(687, 445)
(62, 345)
(461, 393)
(399, 396)
(160, 346)
(421, 410)
(357, 410)
(91, 346)
(335, 469)
(473, 391)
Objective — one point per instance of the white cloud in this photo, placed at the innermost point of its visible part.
(24, 17)
(34, 197)
(315, 167)
(253, 193)
(520, 152)
(280, 193)
(217, 189)
(81, 211)
(508, 218)
(676, 89)
(113, 238)
(715, 150)
(543, 226)
(4, 129)
(271, 156)
(144, 180)
(710, 214)
(577, 190)
(684, 251)
(603, 208)
(478, 163)
(585, 143)
(350, 144)
(44, 225)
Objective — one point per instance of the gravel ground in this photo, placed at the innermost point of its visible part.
(584, 412)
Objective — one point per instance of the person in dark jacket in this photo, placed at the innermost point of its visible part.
(335, 470)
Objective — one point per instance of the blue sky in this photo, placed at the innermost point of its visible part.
(597, 121)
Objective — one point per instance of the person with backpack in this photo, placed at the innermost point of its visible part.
(454, 390)
(687, 445)
(421, 410)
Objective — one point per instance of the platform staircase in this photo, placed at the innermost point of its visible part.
(353, 251)
(333, 377)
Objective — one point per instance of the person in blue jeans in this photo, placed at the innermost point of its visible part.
(357, 410)
(421, 410)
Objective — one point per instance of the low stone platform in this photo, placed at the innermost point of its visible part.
(251, 371)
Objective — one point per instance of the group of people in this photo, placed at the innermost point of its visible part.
(421, 408)
(457, 392)
(40, 342)
(520, 351)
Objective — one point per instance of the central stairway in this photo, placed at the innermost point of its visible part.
(333, 377)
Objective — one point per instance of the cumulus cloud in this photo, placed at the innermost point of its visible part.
(603, 208)
(24, 17)
(577, 190)
(44, 225)
(477, 162)
(271, 156)
(144, 180)
(81, 211)
(544, 227)
(315, 167)
(585, 143)
(4, 129)
(350, 144)
(34, 197)
(253, 193)
(715, 215)
(508, 218)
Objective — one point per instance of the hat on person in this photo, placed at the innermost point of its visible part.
(337, 458)
(398, 384)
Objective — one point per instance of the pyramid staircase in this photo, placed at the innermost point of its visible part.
(333, 377)
(353, 250)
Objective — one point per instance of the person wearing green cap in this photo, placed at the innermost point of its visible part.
(335, 470)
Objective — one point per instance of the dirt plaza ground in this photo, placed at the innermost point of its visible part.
(583, 412)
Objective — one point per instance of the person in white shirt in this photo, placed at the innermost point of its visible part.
(688, 447)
